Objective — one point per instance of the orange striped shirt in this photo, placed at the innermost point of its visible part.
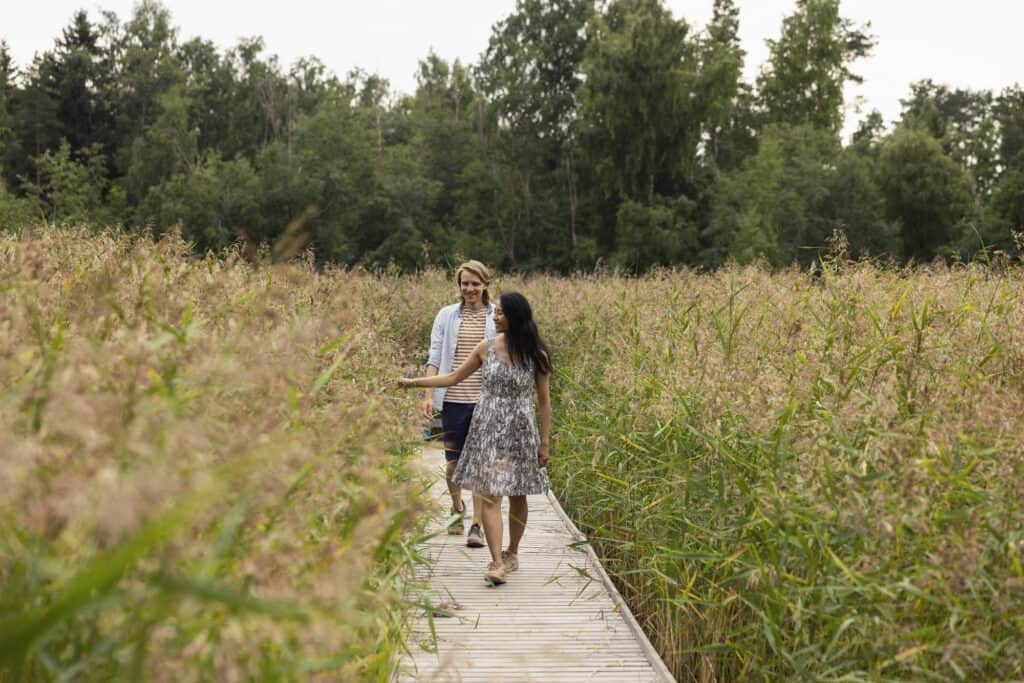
(471, 333)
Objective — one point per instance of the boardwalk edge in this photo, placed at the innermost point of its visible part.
(657, 663)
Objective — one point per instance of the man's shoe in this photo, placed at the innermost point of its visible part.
(495, 574)
(457, 526)
(511, 561)
(475, 537)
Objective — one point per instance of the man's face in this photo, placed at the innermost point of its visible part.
(471, 286)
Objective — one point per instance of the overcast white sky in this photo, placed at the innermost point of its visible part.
(964, 44)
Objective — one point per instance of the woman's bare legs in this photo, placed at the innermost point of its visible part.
(517, 515)
(492, 525)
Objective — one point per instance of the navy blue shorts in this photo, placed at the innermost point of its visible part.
(455, 419)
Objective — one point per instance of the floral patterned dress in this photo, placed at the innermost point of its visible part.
(500, 454)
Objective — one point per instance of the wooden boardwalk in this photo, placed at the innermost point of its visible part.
(557, 619)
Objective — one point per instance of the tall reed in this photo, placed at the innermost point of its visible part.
(794, 478)
(201, 478)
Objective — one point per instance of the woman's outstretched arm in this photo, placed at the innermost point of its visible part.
(543, 385)
(468, 367)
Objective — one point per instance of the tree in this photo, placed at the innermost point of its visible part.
(70, 190)
(6, 91)
(721, 67)
(442, 113)
(855, 205)
(141, 55)
(662, 234)
(15, 212)
(34, 120)
(640, 73)
(639, 128)
(869, 132)
(809, 65)
(1008, 199)
(530, 73)
(213, 202)
(211, 87)
(267, 103)
(1009, 113)
(167, 147)
(772, 206)
(79, 84)
(1008, 193)
(964, 123)
(925, 191)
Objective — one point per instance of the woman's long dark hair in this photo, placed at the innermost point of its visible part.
(521, 336)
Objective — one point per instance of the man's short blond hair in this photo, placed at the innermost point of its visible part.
(481, 271)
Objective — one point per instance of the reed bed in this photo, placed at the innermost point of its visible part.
(789, 478)
(201, 478)
(792, 477)
(797, 478)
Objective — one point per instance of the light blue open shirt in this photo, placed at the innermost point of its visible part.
(444, 338)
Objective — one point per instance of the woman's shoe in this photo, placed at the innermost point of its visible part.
(495, 574)
(511, 561)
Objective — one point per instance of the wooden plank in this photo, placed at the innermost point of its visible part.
(558, 619)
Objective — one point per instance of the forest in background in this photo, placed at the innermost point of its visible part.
(586, 133)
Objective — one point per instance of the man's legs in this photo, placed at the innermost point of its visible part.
(454, 489)
(458, 505)
(455, 419)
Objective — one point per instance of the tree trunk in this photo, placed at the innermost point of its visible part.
(569, 166)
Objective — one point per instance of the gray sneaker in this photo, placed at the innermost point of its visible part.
(457, 526)
(475, 537)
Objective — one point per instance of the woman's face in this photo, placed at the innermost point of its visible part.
(471, 287)
(500, 322)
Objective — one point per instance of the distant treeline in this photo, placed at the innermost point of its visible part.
(587, 132)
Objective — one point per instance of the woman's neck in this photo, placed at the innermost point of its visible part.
(479, 305)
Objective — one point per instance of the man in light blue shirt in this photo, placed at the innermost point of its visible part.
(457, 330)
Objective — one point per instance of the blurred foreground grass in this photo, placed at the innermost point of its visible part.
(201, 477)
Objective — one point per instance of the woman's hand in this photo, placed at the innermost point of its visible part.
(542, 456)
(427, 407)
(401, 383)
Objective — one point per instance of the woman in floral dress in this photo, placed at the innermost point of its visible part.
(504, 454)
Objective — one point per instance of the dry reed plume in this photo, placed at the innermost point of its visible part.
(198, 479)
